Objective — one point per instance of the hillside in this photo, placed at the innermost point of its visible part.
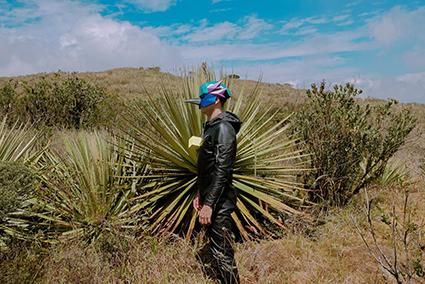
(131, 83)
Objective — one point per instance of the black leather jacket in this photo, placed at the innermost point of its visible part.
(215, 162)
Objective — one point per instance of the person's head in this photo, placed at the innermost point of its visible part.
(212, 95)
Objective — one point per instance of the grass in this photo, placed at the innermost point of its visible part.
(330, 253)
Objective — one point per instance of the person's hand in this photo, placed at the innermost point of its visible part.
(197, 203)
(205, 215)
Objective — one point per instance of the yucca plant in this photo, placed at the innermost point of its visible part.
(86, 189)
(17, 142)
(268, 159)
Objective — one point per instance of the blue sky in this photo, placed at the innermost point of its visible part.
(378, 45)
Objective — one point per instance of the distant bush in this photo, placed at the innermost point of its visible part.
(61, 101)
(233, 76)
(351, 143)
(7, 95)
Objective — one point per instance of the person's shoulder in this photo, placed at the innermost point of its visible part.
(225, 133)
(225, 125)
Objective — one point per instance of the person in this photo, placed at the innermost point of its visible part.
(216, 197)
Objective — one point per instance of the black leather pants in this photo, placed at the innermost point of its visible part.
(218, 255)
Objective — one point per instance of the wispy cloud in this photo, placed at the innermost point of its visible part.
(253, 27)
(302, 26)
(217, 32)
(316, 44)
(154, 5)
(218, 1)
(249, 28)
(398, 24)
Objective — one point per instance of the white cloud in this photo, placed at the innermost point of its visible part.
(314, 45)
(169, 31)
(405, 88)
(316, 20)
(302, 72)
(414, 57)
(340, 18)
(305, 31)
(291, 25)
(417, 78)
(154, 5)
(398, 24)
(214, 33)
(303, 26)
(345, 23)
(218, 1)
(250, 28)
(253, 27)
(72, 36)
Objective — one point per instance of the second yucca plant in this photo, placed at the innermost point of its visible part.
(86, 189)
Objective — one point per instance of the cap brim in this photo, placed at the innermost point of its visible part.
(193, 101)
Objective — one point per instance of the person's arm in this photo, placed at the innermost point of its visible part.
(225, 154)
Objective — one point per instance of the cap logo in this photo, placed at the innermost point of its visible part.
(217, 89)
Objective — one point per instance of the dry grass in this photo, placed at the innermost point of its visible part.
(137, 261)
(332, 253)
(335, 255)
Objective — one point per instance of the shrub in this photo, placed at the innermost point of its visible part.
(64, 101)
(71, 103)
(7, 96)
(350, 142)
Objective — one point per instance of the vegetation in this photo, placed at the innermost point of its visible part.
(88, 189)
(17, 185)
(84, 207)
(265, 170)
(406, 261)
(17, 182)
(351, 143)
(60, 102)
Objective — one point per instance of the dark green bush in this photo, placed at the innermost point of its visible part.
(71, 103)
(61, 101)
(7, 95)
(350, 142)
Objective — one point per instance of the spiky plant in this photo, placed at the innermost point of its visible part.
(87, 189)
(17, 142)
(268, 159)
